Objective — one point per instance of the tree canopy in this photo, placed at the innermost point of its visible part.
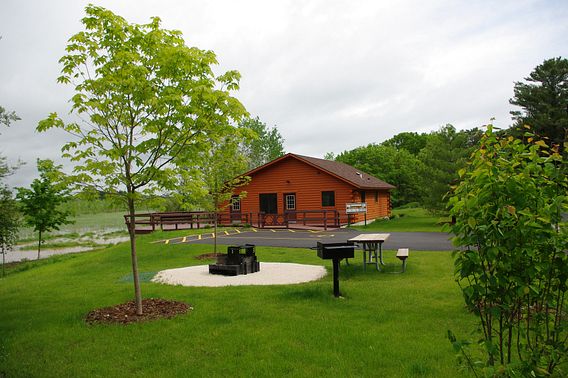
(543, 100)
(265, 147)
(148, 103)
(41, 203)
(9, 222)
(421, 166)
(397, 167)
(446, 152)
(410, 141)
(7, 117)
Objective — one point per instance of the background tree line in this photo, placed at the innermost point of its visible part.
(424, 166)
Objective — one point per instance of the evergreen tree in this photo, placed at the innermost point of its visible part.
(544, 101)
(445, 153)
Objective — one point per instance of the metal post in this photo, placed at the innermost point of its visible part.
(336, 292)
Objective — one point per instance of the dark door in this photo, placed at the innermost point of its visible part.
(290, 206)
(269, 203)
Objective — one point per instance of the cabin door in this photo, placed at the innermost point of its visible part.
(290, 206)
(235, 209)
(269, 206)
(268, 203)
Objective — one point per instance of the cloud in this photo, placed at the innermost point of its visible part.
(331, 75)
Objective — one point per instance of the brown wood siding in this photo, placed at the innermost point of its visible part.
(307, 182)
(375, 209)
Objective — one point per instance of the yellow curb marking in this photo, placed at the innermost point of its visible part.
(254, 230)
(167, 241)
(212, 234)
(238, 232)
(199, 237)
(226, 232)
(291, 230)
(184, 239)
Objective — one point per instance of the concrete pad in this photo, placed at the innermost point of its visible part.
(269, 274)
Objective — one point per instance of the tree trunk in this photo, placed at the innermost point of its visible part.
(39, 245)
(132, 234)
(3, 259)
(215, 232)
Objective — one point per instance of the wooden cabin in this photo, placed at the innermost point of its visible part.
(296, 190)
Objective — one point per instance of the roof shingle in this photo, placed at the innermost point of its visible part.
(342, 171)
(356, 177)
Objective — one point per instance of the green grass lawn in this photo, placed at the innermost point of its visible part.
(386, 325)
(407, 220)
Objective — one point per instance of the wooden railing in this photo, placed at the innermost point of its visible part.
(317, 218)
(148, 222)
(183, 220)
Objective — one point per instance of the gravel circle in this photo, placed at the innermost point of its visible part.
(269, 274)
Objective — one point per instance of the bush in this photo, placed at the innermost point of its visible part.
(511, 266)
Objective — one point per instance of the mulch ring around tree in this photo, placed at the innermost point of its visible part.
(125, 313)
(208, 256)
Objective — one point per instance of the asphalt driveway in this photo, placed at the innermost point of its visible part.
(417, 241)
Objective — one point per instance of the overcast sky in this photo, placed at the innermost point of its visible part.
(331, 75)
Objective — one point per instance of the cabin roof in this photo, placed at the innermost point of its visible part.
(342, 171)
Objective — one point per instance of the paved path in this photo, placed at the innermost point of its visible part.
(417, 241)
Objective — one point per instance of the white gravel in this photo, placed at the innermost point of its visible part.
(269, 274)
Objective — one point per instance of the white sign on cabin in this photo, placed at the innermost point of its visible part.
(355, 208)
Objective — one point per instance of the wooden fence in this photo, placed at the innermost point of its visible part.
(170, 221)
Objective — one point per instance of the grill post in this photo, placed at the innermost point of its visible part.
(336, 292)
(335, 252)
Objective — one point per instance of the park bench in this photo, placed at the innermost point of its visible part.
(402, 255)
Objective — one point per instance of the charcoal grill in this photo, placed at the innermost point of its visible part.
(336, 252)
(234, 262)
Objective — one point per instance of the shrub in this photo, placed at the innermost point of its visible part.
(511, 265)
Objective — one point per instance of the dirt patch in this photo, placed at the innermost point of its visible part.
(208, 256)
(125, 313)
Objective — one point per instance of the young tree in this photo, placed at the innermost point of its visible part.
(267, 146)
(512, 264)
(147, 101)
(544, 102)
(210, 184)
(9, 222)
(41, 204)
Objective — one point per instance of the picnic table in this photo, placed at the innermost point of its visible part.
(371, 243)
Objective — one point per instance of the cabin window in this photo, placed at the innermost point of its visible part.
(377, 196)
(328, 198)
(363, 196)
(290, 200)
(236, 204)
